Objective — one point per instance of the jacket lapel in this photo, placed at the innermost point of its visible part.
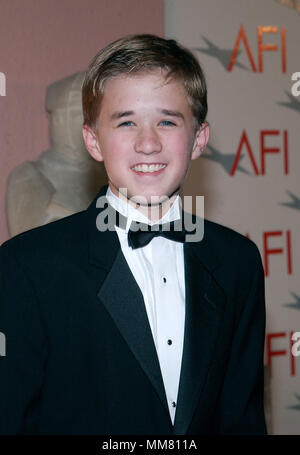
(122, 298)
(205, 302)
(127, 309)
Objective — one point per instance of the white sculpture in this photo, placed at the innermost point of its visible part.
(65, 178)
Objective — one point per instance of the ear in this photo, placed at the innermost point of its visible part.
(92, 143)
(200, 141)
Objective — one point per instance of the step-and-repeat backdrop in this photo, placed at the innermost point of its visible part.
(249, 173)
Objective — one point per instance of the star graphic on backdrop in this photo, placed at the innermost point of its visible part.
(294, 203)
(226, 160)
(296, 304)
(297, 405)
(293, 103)
(223, 55)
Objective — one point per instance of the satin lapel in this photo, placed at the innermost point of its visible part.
(122, 298)
(126, 306)
(205, 302)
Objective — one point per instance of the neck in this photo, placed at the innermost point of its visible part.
(154, 212)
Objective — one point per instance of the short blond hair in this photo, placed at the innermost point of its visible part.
(137, 53)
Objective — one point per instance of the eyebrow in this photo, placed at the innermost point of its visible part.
(171, 113)
(121, 114)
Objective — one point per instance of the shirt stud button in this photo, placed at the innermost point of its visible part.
(164, 279)
(169, 341)
(174, 404)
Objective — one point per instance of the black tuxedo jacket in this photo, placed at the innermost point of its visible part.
(80, 357)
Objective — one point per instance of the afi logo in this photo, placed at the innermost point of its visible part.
(261, 47)
(288, 346)
(284, 250)
(259, 165)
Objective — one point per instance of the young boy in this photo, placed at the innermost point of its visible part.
(111, 331)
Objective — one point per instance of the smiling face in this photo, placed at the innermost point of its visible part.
(146, 135)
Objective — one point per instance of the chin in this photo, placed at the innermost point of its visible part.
(147, 198)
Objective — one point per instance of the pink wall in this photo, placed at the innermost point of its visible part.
(43, 41)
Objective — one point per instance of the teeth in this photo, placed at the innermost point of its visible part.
(148, 168)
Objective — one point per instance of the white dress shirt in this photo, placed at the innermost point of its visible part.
(158, 269)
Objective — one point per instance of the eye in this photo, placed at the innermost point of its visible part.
(167, 123)
(127, 123)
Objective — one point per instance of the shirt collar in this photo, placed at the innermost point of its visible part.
(133, 214)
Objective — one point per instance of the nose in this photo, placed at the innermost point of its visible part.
(148, 141)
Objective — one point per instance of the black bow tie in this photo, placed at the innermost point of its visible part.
(141, 234)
